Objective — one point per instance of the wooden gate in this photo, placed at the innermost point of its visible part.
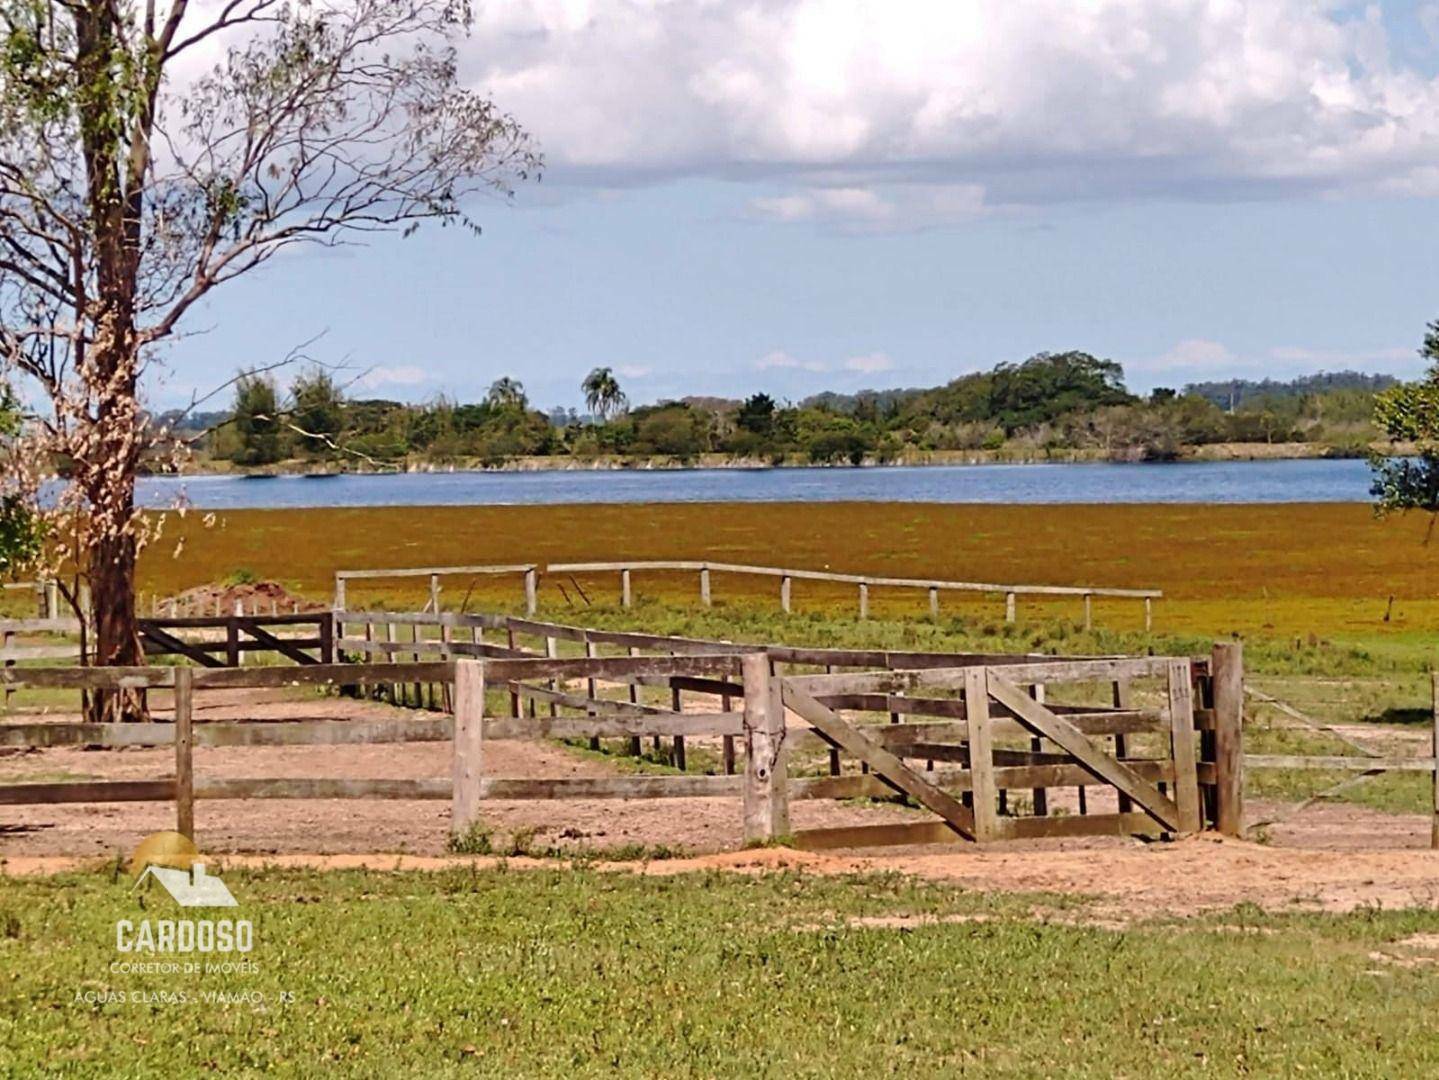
(1005, 733)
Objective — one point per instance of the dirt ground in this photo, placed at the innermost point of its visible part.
(1331, 857)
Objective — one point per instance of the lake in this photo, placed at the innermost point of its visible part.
(1318, 480)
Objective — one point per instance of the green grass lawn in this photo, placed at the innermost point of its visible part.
(575, 972)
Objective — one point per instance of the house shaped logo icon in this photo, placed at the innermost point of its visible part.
(192, 888)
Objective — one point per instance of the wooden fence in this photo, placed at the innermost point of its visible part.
(985, 727)
(528, 571)
(223, 641)
(863, 583)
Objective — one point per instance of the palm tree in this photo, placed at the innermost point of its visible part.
(507, 393)
(603, 396)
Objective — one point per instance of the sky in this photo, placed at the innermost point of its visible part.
(800, 195)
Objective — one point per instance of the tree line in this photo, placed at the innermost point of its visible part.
(1051, 402)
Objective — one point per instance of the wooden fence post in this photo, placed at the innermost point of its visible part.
(934, 603)
(1009, 607)
(339, 604)
(468, 753)
(1434, 749)
(1148, 614)
(531, 591)
(232, 641)
(784, 587)
(981, 753)
(705, 586)
(184, 753)
(863, 600)
(1226, 673)
(625, 596)
(766, 798)
(435, 593)
(1088, 611)
(327, 640)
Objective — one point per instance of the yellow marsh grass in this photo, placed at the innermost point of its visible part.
(1283, 570)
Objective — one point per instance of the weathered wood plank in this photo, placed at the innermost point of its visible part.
(87, 791)
(981, 753)
(607, 667)
(1181, 719)
(616, 726)
(887, 835)
(184, 753)
(1036, 828)
(324, 675)
(616, 787)
(320, 788)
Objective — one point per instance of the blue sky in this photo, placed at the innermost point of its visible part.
(802, 195)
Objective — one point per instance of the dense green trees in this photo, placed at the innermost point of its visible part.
(1049, 403)
(1409, 414)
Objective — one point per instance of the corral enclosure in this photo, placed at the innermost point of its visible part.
(1001, 751)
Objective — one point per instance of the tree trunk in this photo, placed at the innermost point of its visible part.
(117, 634)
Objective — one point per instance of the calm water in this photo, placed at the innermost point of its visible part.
(1202, 482)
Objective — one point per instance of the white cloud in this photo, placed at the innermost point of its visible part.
(870, 112)
(634, 371)
(781, 360)
(870, 363)
(404, 375)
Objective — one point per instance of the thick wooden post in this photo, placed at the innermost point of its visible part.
(232, 642)
(184, 753)
(1088, 611)
(625, 595)
(468, 753)
(863, 600)
(435, 593)
(784, 593)
(766, 798)
(531, 591)
(705, 586)
(1148, 614)
(981, 753)
(1226, 672)
(1009, 607)
(934, 602)
(339, 604)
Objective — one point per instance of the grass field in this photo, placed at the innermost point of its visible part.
(575, 972)
(1315, 573)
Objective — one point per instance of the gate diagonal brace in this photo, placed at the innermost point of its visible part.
(883, 764)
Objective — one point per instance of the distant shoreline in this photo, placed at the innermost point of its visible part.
(566, 463)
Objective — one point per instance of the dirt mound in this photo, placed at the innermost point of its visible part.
(221, 598)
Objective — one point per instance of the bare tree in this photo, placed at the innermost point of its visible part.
(149, 154)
